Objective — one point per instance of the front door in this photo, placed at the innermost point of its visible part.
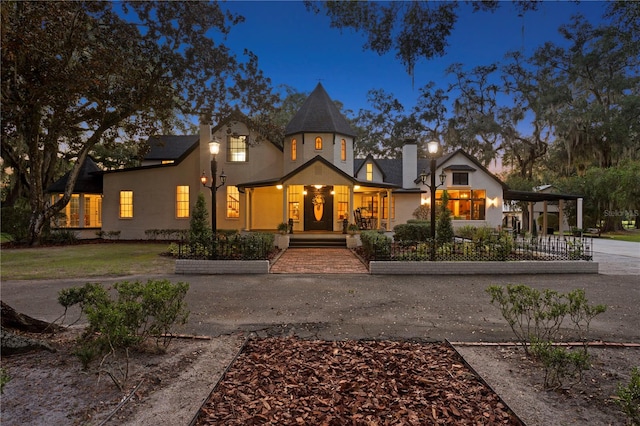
(318, 209)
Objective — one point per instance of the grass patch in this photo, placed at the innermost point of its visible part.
(85, 260)
(631, 235)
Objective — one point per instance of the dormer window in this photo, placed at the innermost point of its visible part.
(237, 149)
(460, 178)
(343, 150)
(294, 149)
(318, 143)
(369, 171)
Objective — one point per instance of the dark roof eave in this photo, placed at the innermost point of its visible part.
(510, 195)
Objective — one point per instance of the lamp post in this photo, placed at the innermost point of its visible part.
(214, 148)
(435, 151)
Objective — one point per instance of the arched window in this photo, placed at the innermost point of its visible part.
(318, 143)
(343, 150)
(294, 149)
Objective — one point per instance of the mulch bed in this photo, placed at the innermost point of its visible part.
(292, 381)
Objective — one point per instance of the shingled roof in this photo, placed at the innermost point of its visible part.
(319, 114)
(170, 147)
(89, 180)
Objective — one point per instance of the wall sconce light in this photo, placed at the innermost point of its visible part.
(492, 202)
(304, 192)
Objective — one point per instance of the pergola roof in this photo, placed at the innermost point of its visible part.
(510, 195)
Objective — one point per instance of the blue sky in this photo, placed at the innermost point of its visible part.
(298, 48)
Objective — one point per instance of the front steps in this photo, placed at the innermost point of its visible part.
(317, 241)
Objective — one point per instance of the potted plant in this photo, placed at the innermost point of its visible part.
(283, 239)
(283, 228)
(353, 239)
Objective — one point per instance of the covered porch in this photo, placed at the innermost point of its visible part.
(317, 197)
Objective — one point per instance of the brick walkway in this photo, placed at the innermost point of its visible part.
(318, 261)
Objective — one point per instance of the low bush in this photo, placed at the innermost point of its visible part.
(61, 237)
(139, 312)
(166, 234)
(536, 317)
(467, 232)
(560, 364)
(414, 231)
(375, 245)
(628, 397)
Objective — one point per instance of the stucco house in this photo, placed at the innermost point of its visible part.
(311, 178)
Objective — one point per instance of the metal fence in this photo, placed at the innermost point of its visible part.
(257, 246)
(502, 249)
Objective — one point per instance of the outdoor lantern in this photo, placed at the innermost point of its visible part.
(214, 147)
(433, 147)
(443, 177)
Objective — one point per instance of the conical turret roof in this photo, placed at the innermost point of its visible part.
(319, 114)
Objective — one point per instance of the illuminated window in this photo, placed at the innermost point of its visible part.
(182, 201)
(294, 149)
(385, 208)
(233, 202)
(92, 211)
(237, 149)
(294, 195)
(466, 205)
(126, 204)
(369, 205)
(369, 171)
(343, 150)
(88, 208)
(342, 197)
(318, 143)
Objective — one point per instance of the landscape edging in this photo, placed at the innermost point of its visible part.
(216, 267)
(378, 267)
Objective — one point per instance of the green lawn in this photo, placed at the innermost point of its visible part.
(632, 235)
(85, 260)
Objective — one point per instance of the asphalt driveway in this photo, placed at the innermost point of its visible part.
(333, 306)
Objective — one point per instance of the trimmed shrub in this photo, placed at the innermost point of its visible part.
(375, 245)
(412, 231)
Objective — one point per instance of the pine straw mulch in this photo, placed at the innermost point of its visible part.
(292, 381)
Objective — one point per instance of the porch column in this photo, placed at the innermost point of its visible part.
(247, 210)
(579, 213)
(285, 212)
(561, 217)
(544, 218)
(531, 204)
(352, 206)
(388, 228)
(379, 218)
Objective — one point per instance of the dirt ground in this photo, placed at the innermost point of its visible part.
(52, 389)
